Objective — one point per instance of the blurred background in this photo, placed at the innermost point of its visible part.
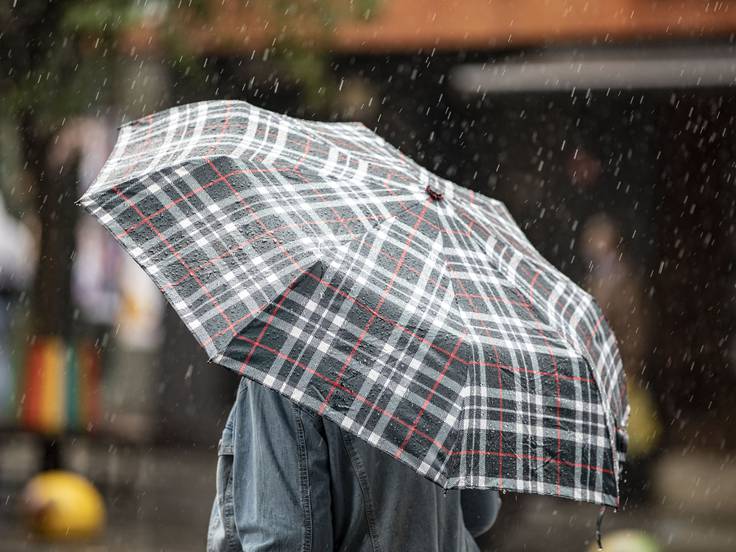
(608, 128)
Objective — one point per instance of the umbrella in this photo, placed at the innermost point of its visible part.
(318, 260)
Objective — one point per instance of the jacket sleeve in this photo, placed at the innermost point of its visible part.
(480, 510)
(281, 489)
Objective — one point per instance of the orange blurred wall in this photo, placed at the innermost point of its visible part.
(408, 25)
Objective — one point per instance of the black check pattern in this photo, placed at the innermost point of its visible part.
(317, 260)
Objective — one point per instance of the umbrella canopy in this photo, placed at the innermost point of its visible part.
(319, 261)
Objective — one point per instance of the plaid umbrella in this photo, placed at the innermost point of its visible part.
(319, 261)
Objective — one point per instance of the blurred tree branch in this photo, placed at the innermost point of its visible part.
(59, 60)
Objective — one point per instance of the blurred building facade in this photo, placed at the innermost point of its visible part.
(570, 111)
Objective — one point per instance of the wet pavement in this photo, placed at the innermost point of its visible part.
(690, 507)
(158, 499)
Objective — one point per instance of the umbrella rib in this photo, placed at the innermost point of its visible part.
(474, 237)
(377, 309)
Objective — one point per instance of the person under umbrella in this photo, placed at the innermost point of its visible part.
(289, 479)
(407, 322)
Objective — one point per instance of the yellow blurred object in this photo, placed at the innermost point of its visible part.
(63, 505)
(626, 540)
(644, 426)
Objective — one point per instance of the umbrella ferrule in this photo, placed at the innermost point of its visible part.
(434, 194)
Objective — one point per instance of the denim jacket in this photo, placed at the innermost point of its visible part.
(290, 480)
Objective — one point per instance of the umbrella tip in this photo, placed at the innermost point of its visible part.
(434, 194)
